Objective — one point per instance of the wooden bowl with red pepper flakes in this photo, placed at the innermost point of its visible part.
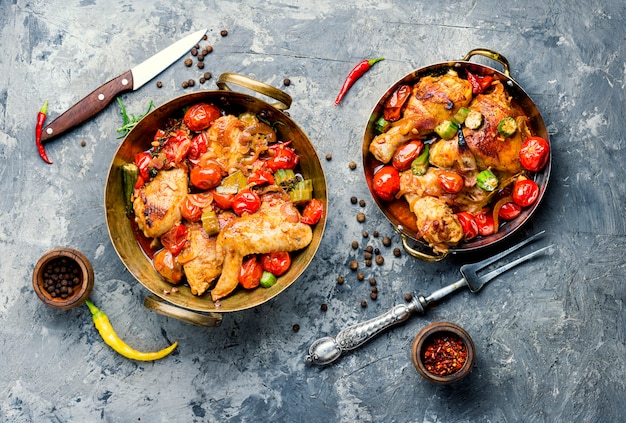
(63, 278)
(443, 353)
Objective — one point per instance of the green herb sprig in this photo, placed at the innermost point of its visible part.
(129, 122)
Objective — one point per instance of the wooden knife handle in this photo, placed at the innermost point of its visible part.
(88, 107)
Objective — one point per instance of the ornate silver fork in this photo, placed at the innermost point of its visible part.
(328, 349)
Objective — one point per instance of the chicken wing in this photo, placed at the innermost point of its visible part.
(157, 203)
(271, 228)
(202, 263)
(436, 222)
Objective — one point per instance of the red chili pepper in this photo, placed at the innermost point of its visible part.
(41, 118)
(355, 74)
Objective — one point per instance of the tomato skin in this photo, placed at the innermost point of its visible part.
(386, 182)
(260, 177)
(199, 146)
(250, 272)
(206, 177)
(509, 211)
(405, 154)
(277, 263)
(143, 161)
(284, 158)
(534, 153)
(168, 267)
(175, 239)
(525, 192)
(312, 212)
(450, 182)
(469, 225)
(393, 106)
(190, 211)
(177, 147)
(479, 83)
(486, 225)
(223, 201)
(200, 116)
(246, 201)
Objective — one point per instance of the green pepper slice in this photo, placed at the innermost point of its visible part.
(419, 166)
(446, 129)
(507, 126)
(267, 279)
(487, 181)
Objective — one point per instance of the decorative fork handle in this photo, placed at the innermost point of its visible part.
(326, 350)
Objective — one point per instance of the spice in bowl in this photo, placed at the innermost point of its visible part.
(443, 352)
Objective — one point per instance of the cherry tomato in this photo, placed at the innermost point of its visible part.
(312, 212)
(509, 211)
(485, 223)
(246, 201)
(284, 158)
(176, 147)
(469, 225)
(200, 116)
(143, 161)
(479, 83)
(206, 177)
(393, 106)
(450, 182)
(190, 211)
(386, 183)
(175, 239)
(160, 136)
(405, 154)
(277, 263)
(223, 201)
(534, 153)
(167, 266)
(199, 145)
(525, 192)
(260, 177)
(250, 272)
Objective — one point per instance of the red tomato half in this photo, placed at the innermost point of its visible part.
(200, 116)
(246, 201)
(260, 177)
(525, 192)
(469, 225)
(485, 223)
(190, 211)
(405, 154)
(534, 153)
(277, 263)
(223, 201)
(386, 183)
(450, 182)
(206, 177)
(509, 211)
(250, 273)
(312, 212)
(175, 239)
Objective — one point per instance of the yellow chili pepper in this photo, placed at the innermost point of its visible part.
(111, 339)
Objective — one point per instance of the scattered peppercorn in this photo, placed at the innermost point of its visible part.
(365, 234)
(368, 263)
(372, 281)
(352, 165)
(188, 62)
(354, 265)
(207, 75)
(205, 37)
(200, 65)
(375, 234)
(374, 289)
(369, 249)
(324, 307)
(374, 296)
(197, 46)
(360, 217)
(362, 203)
(159, 84)
(329, 157)
(200, 58)
(340, 279)
(408, 296)
(367, 255)
(380, 260)
(355, 245)
(353, 200)
(286, 82)
(360, 276)
(191, 82)
(185, 84)
(397, 252)
(295, 327)
(202, 80)
(83, 143)
(204, 52)
(223, 32)
(194, 52)
(377, 251)
(363, 303)
(61, 276)
(209, 49)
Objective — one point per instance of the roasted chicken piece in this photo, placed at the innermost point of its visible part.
(436, 222)
(433, 100)
(491, 149)
(157, 203)
(201, 262)
(275, 226)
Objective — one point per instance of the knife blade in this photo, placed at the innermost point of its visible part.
(130, 80)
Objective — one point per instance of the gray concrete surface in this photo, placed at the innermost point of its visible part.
(549, 335)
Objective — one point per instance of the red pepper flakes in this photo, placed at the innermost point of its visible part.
(444, 355)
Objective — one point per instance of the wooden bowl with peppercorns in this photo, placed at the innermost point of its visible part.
(63, 278)
(443, 353)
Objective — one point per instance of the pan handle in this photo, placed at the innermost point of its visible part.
(283, 99)
(428, 258)
(154, 303)
(490, 54)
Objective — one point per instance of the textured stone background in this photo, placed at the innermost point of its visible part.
(550, 335)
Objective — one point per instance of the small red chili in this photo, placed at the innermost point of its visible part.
(355, 74)
(41, 118)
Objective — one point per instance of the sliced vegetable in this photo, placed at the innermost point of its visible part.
(393, 106)
(507, 126)
(302, 191)
(534, 153)
(386, 183)
(525, 192)
(405, 154)
(261, 177)
(130, 174)
(232, 183)
(267, 280)
(486, 180)
(143, 161)
(446, 129)
(460, 116)
(474, 119)
(210, 222)
(285, 178)
(382, 125)
(419, 166)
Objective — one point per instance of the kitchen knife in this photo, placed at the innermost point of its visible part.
(130, 80)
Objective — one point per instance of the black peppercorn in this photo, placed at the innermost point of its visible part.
(354, 265)
(324, 307)
(363, 303)
(295, 327)
(365, 234)
(286, 82)
(362, 203)
(159, 84)
(340, 279)
(360, 276)
(355, 245)
(408, 296)
(223, 32)
(352, 165)
(353, 200)
(360, 217)
(200, 65)
(386, 241)
(372, 281)
(373, 296)
(397, 252)
(194, 52)
(329, 157)
(188, 62)
(207, 75)
(380, 260)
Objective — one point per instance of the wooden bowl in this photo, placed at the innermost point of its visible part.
(438, 331)
(48, 282)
